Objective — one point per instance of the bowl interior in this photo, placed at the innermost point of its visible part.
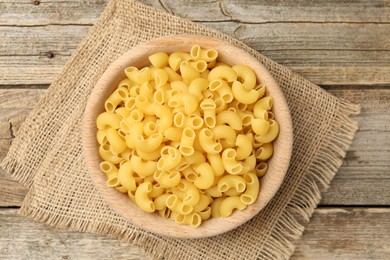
(121, 203)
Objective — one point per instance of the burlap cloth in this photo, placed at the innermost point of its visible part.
(46, 156)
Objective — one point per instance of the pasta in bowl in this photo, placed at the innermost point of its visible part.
(187, 136)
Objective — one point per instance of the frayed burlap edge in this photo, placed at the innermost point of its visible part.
(288, 229)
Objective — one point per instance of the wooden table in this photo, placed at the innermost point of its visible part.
(343, 46)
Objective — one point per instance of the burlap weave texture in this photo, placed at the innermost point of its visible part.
(47, 157)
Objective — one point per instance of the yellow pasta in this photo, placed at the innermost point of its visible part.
(185, 100)
(170, 158)
(143, 104)
(214, 192)
(198, 53)
(230, 118)
(146, 89)
(226, 133)
(272, 133)
(176, 58)
(231, 182)
(188, 73)
(126, 178)
(250, 161)
(187, 136)
(230, 162)
(141, 167)
(222, 72)
(177, 205)
(216, 206)
(148, 144)
(208, 106)
(167, 179)
(151, 156)
(115, 140)
(206, 140)
(206, 176)
(179, 87)
(107, 119)
(172, 75)
(142, 199)
(160, 202)
(260, 126)
(140, 76)
(203, 202)
(115, 99)
(244, 146)
(193, 219)
(194, 122)
(159, 59)
(216, 164)
(252, 189)
(246, 75)
(261, 169)
(264, 152)
(205, 214)
(223, 90)
(105, 154)
(192, 194)
(108, 168)
(127, 83)
(197, 86)
(196, 158)
(101, 136)
(187, 142)
(190, 174)
(229, 204)
(263, 104)
(165, 116)
(243, 95)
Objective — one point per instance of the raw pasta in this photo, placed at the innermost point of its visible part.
(187, 137)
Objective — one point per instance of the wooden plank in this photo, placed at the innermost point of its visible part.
(12, 193)
(320, 66)
(39, 41)
(15, 105)
(365, 234)
(313, 36)
(30, 70)
(355, 11)
(21, 238)
(362, 180)
(29, 13)
(327, 54)
(264, 37)
(349, 233)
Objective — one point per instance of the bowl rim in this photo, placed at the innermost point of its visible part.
(142, 219)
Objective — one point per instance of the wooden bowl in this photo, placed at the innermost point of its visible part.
(121, 203)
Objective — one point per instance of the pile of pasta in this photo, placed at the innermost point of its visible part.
(188, 136)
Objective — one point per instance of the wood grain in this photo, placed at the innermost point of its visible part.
(362, 180)
(14, 107)
(330, 44)
(15, 12)
(323, 67)
(346, 233)
(21, 238)
(33, 51)
(333, 233)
